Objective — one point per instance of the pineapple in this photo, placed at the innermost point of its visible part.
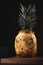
(25, 43)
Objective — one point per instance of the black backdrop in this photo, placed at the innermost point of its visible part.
(9, 25)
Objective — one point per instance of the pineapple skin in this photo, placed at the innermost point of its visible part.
(25, 44)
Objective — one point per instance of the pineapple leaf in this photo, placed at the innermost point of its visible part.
(27, 17)
(22, 8)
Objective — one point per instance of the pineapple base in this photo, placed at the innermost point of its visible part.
(26, 55)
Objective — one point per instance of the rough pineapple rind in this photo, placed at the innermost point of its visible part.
(26, 43)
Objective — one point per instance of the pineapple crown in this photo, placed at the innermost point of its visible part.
(27, 17)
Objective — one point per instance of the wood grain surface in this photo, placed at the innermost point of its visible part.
(17, 60)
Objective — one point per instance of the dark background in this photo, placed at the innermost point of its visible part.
(9, 25)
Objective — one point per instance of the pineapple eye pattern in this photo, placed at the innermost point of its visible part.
(31, 39)
(23, 39)
(20, 39)
(22, 48)
(31, 48)
(29, 43)
(17, 41)
(27, 51)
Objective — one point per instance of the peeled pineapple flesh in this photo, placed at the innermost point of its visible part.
(25, 44)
